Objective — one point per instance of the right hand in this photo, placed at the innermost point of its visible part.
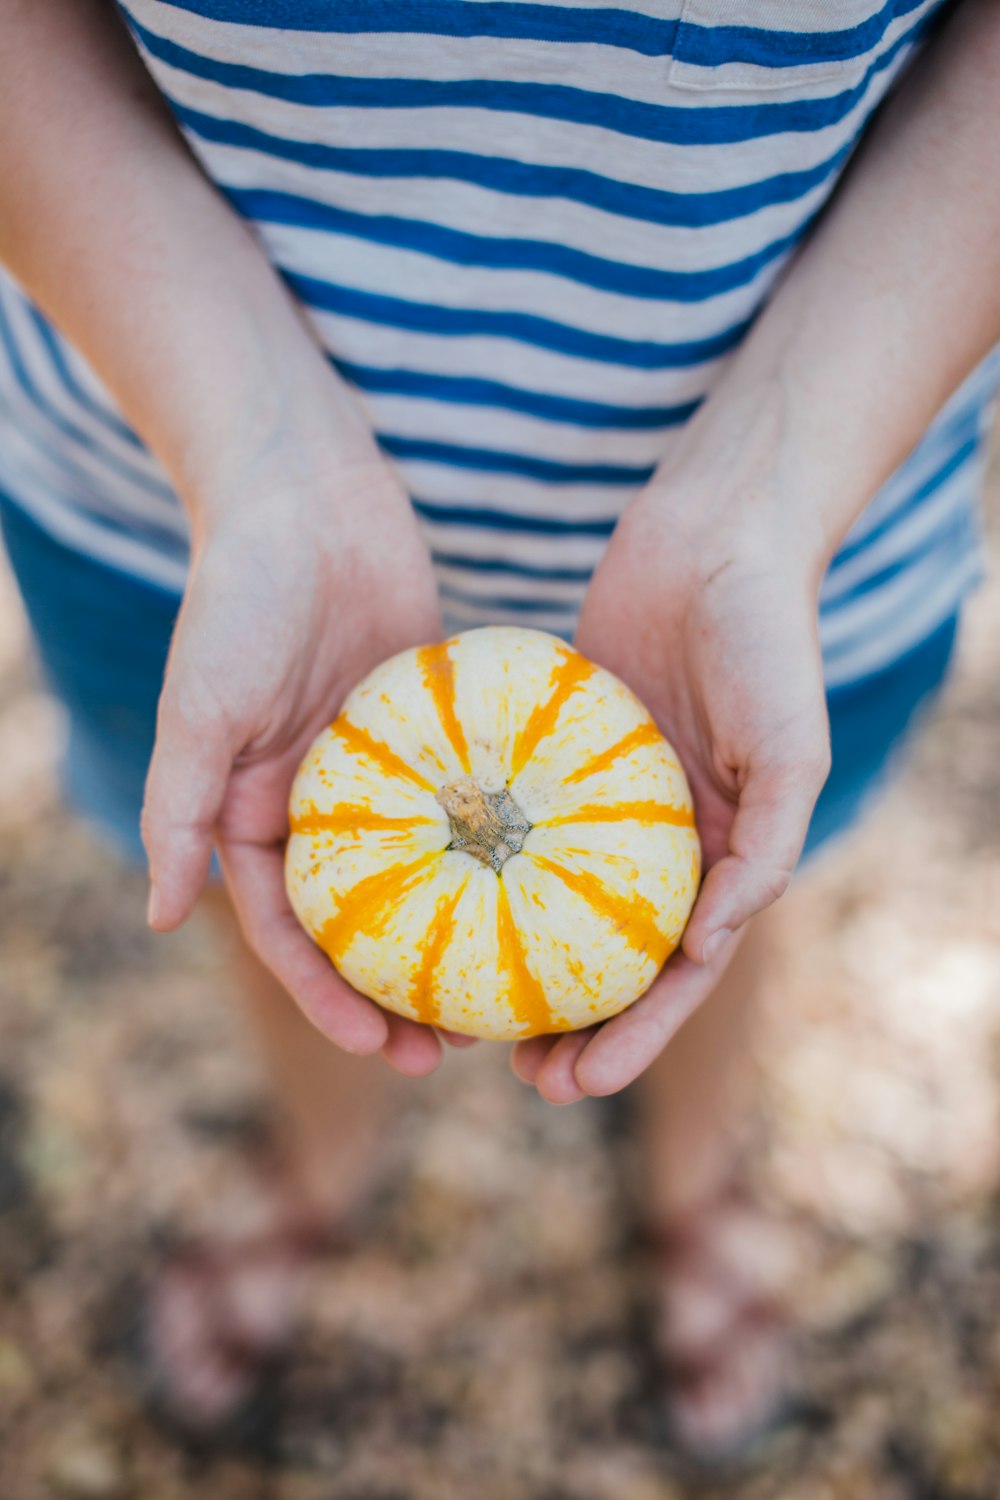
(706, 606)
(312, 573)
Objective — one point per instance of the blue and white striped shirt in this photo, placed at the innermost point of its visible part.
(529, 236)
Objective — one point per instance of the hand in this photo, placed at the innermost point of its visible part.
(311, 574)
(714, 626)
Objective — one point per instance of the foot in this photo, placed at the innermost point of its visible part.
(724, 1326)
(221, 1309)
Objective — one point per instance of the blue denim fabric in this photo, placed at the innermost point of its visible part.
(103, 638)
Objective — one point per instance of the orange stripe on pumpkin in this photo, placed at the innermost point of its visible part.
(348, 818)
(645, 734)
(526, 997)
(438, 671)
(361, 743)
(617, 812)
(369, 905)
(568, 676)
(632, 916)
(439, 935)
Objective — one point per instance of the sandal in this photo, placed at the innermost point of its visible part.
(216, 1318)
(724, 1329)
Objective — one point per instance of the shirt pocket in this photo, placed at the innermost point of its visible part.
(779, 47)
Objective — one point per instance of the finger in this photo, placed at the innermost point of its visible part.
(410, 1048)
(624, 1047)
(185, 787)
(455, 1038)
(555, 1079)
(527, 1057)
(765, 841)
(255, 877)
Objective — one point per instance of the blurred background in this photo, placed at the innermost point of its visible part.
(488, 1340)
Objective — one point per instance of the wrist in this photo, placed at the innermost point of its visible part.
(275, 420)
(267, 425)
(753, 477)
(307, 499)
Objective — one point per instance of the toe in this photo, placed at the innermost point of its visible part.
(195, 1375)
(719, 1413)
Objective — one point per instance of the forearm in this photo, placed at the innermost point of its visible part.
(107, 221)
(892, 302)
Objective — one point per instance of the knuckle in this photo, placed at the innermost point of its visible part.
(155, 814)
(193, 710)
(151, 823)
(774, 882)
(800, 749)
(807, 760)
(160, 830)
(819, 759)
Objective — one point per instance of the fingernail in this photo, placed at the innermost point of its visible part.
(714, 945)
(153, 907)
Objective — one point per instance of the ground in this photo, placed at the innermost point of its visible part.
(487, 1342)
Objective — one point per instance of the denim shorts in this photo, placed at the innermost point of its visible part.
(103, 638)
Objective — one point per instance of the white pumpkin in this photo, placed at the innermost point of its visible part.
(494, 837)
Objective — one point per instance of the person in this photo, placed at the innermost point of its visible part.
(320, 317)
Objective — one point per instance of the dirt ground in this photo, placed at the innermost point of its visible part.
(487, 1342)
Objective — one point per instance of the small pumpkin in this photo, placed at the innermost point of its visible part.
(494, 837)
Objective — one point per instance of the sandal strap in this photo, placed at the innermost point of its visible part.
(305, 1240)
(687, 1240)
(757, 1316)
(300, 1229)
(685, 1232)
(214, 1268)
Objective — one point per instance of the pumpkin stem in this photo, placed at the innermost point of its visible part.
(488, 825)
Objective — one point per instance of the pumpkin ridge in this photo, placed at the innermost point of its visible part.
(402, 865)
(620, 812)
(572, 672)
(442, 927)
(633, 916)
(438, 672)
(643, 734)
(361, 742)
(349, 818)
(369, 904)
(526, 995)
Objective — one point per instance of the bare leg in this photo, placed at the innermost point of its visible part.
(220, 1310)
(719, 1253)
(695, 1094)
(332, 1108)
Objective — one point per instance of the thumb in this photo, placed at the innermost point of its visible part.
(765, 841)
(185, 788)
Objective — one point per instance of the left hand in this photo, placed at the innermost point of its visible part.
(293, 597)
(706, 601)
(711, 619)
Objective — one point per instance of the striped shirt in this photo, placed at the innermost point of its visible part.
(529, 236)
